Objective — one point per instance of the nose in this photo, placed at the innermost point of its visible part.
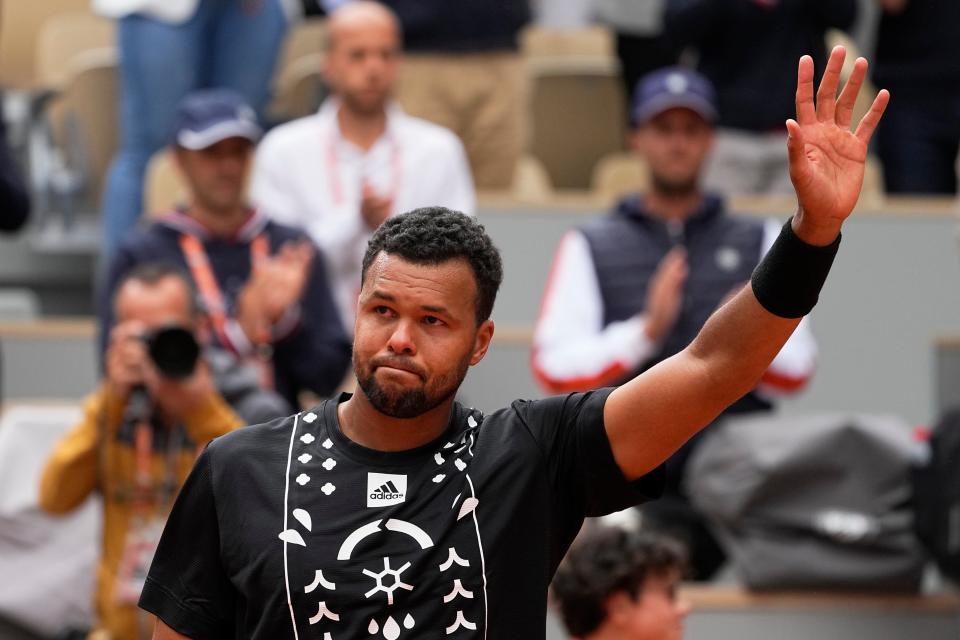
(401, 340)
(683, 607)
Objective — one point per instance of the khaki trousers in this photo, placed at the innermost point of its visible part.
(481, 97)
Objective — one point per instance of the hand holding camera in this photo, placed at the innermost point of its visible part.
(161, 368)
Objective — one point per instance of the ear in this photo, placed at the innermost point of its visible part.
(619, 606)
(482, 342)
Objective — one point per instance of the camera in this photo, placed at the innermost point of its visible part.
(174, 351)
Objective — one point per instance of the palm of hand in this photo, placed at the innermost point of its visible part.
(828, 183)
(826, 158)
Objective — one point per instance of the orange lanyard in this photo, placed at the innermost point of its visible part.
(213, 300)
(144, 493)
(333, 171)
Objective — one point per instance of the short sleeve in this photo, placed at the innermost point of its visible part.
(570, 432)
(187, 586)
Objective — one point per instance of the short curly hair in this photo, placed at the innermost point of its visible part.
(611, 560)
(432, 235)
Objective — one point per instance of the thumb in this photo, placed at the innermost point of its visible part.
(795, 149)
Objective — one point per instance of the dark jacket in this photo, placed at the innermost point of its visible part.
(460, 26)
(917, 48)
(628, 246)
(749, 49)
(314, 356)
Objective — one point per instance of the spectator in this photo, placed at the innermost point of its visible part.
(463, 71)
(14, 199)
(340, 173)
(619, 585)
(642, 45)
(633, 288)
(747, 48)
(135, 444)
(168, 49)
(917, 60)
(265, 295)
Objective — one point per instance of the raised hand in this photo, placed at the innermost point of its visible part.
(826, 158)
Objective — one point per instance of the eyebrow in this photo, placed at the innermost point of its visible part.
(380, 295)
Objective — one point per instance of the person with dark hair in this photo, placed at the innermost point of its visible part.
(396, 512)
(617, 584)
(263, 286)
(139, 435)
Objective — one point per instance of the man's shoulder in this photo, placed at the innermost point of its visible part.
(294, 136)
(147, 240)
(429, 136)
(251, 446)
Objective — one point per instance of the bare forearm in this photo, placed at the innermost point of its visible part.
(736, 346)
(650, 417)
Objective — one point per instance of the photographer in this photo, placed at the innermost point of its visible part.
(141, 431)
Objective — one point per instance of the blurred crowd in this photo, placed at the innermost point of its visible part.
(237, 306)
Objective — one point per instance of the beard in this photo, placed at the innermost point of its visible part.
(674, 187)
(408, 403)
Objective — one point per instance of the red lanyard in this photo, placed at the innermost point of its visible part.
(333, 171)
(216, 307)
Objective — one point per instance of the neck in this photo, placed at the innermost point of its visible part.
(362, 423)
(361, 129)
(672, 206)
(220, 223)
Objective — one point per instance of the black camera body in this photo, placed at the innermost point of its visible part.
(174, 351)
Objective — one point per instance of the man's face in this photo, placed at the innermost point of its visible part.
(657, 613)
(416, 334)
(675, 144)
(218, 174)
(163, 303)
(361, 64)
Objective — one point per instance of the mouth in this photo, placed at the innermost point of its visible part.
(393, 367)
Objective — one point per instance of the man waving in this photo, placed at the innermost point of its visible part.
(398, 513)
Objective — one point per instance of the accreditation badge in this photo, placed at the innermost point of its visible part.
(138, 552)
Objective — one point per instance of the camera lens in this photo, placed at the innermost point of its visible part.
(174, 351)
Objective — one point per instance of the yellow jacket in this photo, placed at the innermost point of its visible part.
(75, 469)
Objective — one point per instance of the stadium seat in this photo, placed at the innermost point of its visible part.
(618, 173)
(20, 25)
(299, 89)
(298, 84)
(164, 186)
(577, 115)
(68, 40)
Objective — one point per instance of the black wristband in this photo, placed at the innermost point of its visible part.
(788, 280)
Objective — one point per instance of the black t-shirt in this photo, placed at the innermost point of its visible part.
(291, 530)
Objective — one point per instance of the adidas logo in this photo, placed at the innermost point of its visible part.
(385, 489)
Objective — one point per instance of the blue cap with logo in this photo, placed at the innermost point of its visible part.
(673, 87)
(207, 117)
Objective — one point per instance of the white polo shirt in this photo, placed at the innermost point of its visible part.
(306, 175)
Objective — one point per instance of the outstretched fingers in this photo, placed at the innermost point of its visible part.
(848, 97)
(806, 112)
(868, 124)
(827, 93)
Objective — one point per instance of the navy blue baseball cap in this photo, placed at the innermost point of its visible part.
(206, 117)
(673, 87)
